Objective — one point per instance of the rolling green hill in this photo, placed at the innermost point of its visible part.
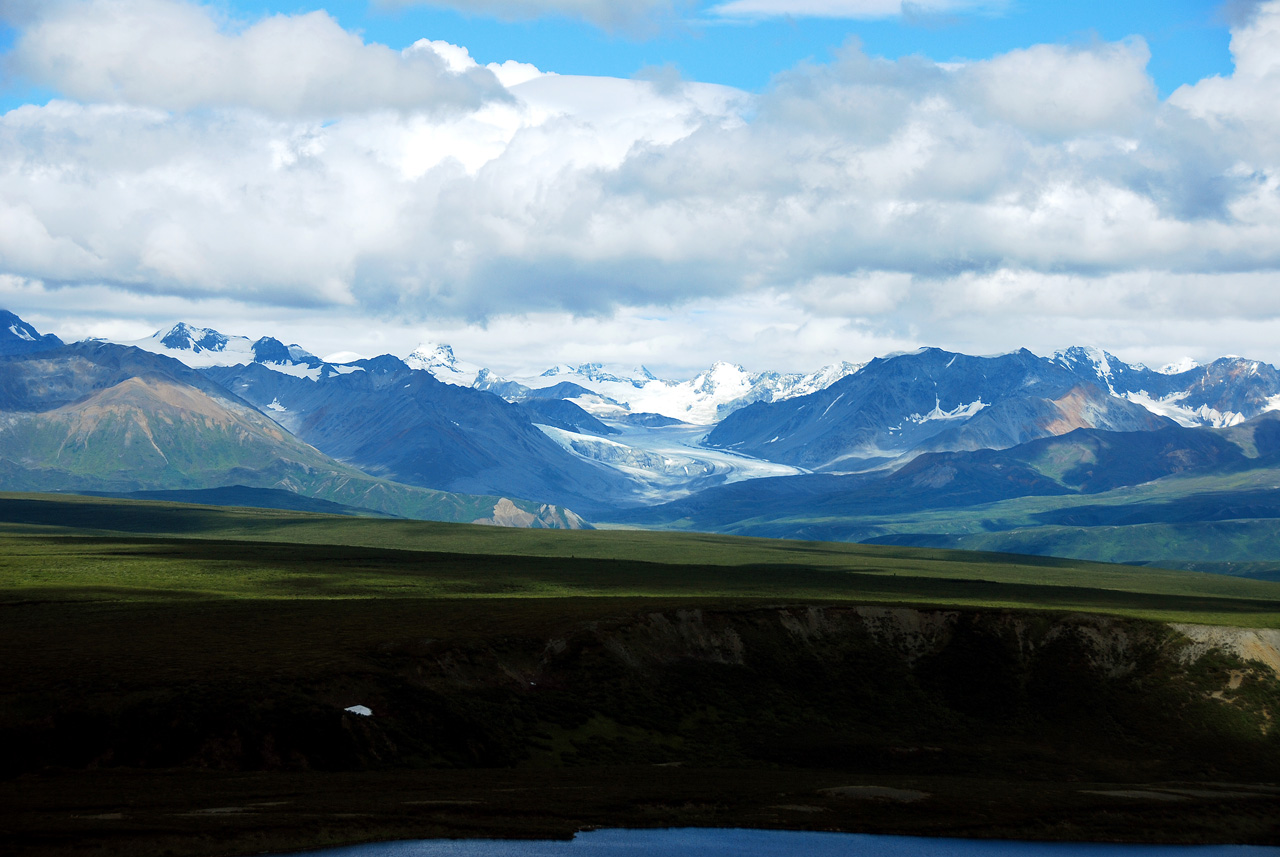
(423, 559)
(181, 678)
(1177, 498)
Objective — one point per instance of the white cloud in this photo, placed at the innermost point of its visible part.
(174, 55)
(458, 60)
(862, 200)
(1141, 316)
(1240, 108)
(1063, 90)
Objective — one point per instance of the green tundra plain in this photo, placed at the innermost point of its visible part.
(175, 679)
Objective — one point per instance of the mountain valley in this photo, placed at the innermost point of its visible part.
(1076, 454)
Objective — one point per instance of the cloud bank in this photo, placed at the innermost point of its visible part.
(176, 56)
(908, 200)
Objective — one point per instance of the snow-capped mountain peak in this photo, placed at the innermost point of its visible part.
(202, 347)
(1226, 392)
(1186, 364)
(637, 377)
(440, 361)
(19, 337)
(268, 350)
(430, 356)
(724, 379)
(802, 385)
(1090, 361)
(186, 337)
(1079, 356)
(704, 399)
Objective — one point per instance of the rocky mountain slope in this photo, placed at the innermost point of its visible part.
(927, 401)
(104, 418)
(403, 424)
(18, 337)
(1228, 391)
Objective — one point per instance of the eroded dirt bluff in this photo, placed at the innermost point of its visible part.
(866, 689)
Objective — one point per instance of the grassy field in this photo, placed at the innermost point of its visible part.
(175, 680)
(88, 548)
(1225, 523)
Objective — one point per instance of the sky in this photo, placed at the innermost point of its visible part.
(781, 184)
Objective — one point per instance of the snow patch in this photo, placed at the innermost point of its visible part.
(276, 406)
(343, 357)
(1186, 364)
(959, 412)
(1168, 406)
(362, 710)
(666, 462)
(832, 405)
(20, 333)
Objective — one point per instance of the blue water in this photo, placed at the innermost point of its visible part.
(712, 842)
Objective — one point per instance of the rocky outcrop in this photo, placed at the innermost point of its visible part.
(1255, 645)
(537, 516)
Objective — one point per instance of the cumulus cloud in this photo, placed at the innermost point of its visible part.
(174, 55)
(1235, 106)
(901, 201)
(632, 16)
(1065, 91)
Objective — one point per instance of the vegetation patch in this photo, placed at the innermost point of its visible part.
(168, 664)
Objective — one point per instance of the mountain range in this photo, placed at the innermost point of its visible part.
(1199, 498)
(97, 417)
(928, 401)
(919, 447)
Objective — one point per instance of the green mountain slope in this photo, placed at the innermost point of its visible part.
(1179, 498)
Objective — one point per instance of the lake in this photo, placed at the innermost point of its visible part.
(713, 842)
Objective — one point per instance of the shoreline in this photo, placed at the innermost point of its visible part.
(218, 814)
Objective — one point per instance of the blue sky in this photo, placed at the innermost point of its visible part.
(807, 190)
(1188, 38)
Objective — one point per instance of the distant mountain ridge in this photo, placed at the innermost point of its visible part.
(201, 347)
(1226, 392)
(613, 392)
(404, 424)
(448, 437)
(828, 454)
(98, 417)
(18, 337)
(1179, 497)
(929, 400)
